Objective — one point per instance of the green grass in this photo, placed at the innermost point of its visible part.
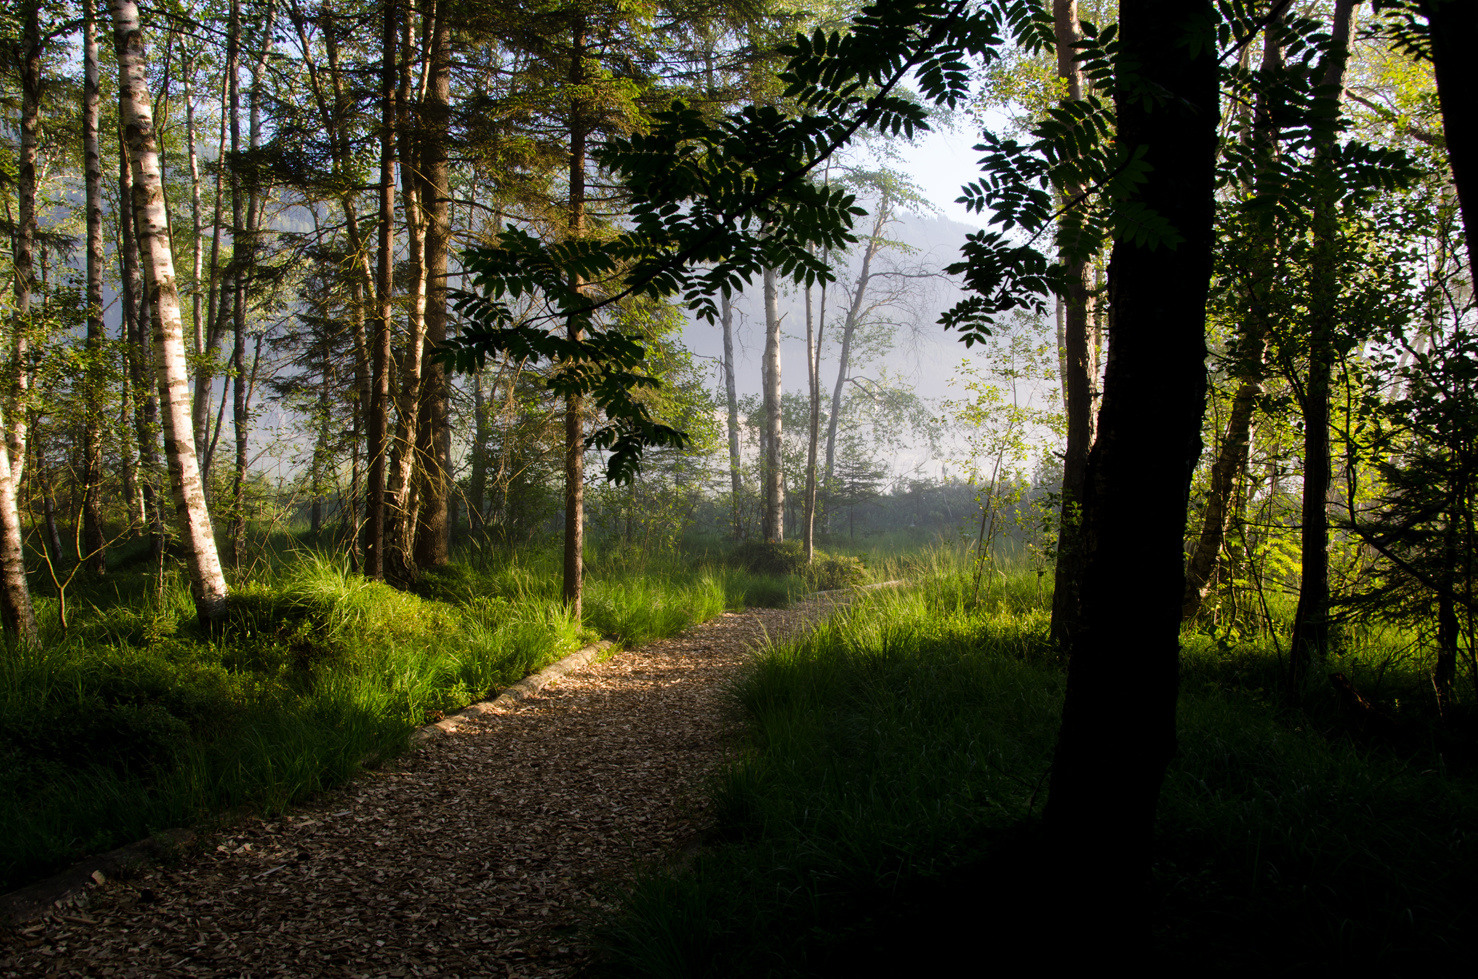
(891, 765)
(135, 720)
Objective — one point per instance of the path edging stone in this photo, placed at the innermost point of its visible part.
(519, 692)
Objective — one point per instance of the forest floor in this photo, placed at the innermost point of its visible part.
(486, 852)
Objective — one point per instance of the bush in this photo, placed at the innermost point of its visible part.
(769, 557)
(829, 573)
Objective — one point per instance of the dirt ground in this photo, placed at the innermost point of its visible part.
(481, 853)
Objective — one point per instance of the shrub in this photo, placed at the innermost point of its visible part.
(769, 557)
(829, 573)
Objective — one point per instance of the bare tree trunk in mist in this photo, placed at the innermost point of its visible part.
(774, 488)
(849, 329)
(813, 381)
(736, 478)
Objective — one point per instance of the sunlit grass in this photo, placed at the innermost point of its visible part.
(134, 720)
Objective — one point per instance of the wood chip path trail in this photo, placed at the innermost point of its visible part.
(477, 854)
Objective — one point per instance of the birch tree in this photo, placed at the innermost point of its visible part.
(207, 582)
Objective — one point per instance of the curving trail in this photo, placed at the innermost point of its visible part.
(481, 853)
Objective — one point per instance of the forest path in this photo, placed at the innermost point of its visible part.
(476, 854)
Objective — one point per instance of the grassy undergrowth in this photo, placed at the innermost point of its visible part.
(893, 762)
(135, 720)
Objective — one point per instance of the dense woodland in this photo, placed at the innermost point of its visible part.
(406, 293)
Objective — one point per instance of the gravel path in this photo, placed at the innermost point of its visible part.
(476, 854)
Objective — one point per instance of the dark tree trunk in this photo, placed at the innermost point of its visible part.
(379, 408)
(1232, 452)
(1118, 725)
(477, 479)
(434, 429)
(1454, 25)
(1079, 369)
(240, 261)
(1310, 641)
(400, 521)
(574, 545)
(96, 371)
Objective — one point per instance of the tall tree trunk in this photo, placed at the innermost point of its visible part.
(240, 264)
(136, 343)
(813, 382)
(214, 313)
(362, 281)
(1311, 618)
(1453, 25)
(434, 431)
(401, 520)
(1118, 723)
(96, 370)
(774, 488)
(379, 410)
(1233, 449)
(207, 583)
(15, 593)
(477, 479)
(17, 379)
(1079, 363)
(574, 546)
(197, 231)
(849, 330)
(1449, 631)
(731, 399)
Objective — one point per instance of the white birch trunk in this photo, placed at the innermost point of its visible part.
(207, 582)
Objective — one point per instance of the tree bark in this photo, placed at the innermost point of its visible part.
(731, 397)
(15, 592)
(23, 265)
(379, 409)
(96, 371)
(1079, 364)
(1118, 725)
(574, 544)
(214, 312)
(774, 513)
(813, 435)
(207, 583)
(433, 536)
(477, 479)
(240, 264)
(401, 520)
(1453, 25)
(1310, 640)
(1233, 449)
(849, 329)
